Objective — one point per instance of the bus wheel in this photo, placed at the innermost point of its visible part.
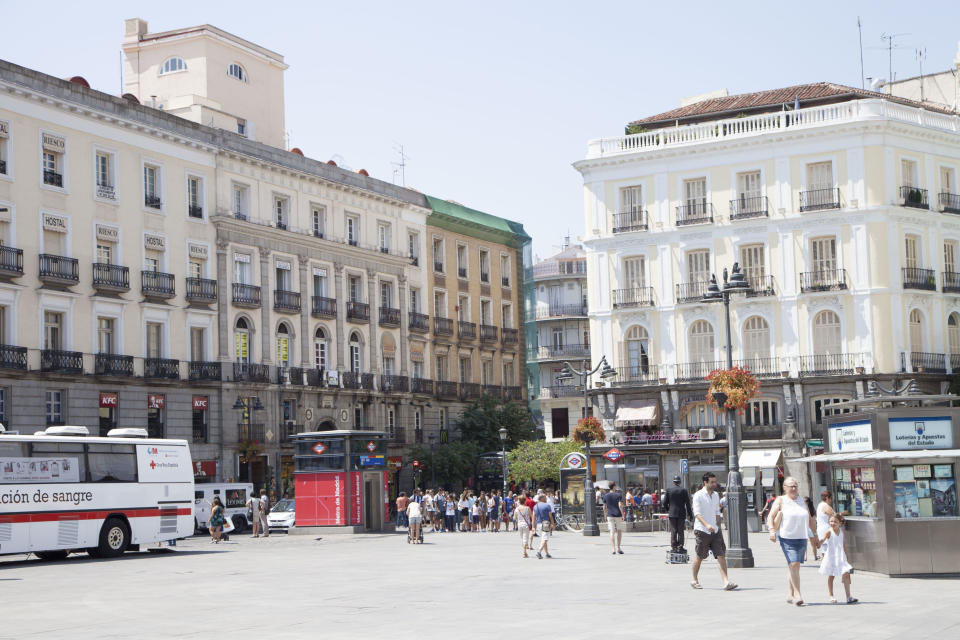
(114, 538)
(239, 523)
(52, 555)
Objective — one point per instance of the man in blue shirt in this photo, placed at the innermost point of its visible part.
(543, 514)
(615, 512)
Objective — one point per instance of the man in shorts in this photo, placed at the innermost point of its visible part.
(543, 514)
(706, 529)
(615, 512)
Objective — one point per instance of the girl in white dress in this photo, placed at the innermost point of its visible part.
(835, 558)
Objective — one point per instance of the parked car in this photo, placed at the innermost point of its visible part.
(281, 516)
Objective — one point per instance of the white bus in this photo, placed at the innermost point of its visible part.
(62, 490)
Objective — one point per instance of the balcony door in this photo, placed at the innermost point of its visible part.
(695, 195)
(556, 297)
(52, 331)
(698, 266)
(916, 331)
(911, 246)
(819, 175)
(751, 261)
(748, 187)
(634, 273)
(701, 342)
(824, 253)
(756, 339)
(827, 336)
(557, 339)
(637, 347)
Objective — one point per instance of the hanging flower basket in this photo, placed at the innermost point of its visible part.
(737, 383)
(589, 425)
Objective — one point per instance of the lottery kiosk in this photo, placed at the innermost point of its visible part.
(892, 467)
(340, 482)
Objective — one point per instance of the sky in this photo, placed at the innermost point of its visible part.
(493, 101)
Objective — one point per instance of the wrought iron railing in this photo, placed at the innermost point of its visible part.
(350, 380)
(760, 286)
(290, 375)
(561, 391)
(442, 326)
(421, 385)
(286, 300)
(156, 284)
(563, 351)
(201, 289)
(59, 268)
(914, 197)
(761, 432)
(694, 213)
(916, 278)
(470, 390)
(632, 220)
(111, 364)
(53, 178)
(323, 307)
(949, 202)
(692, 291)
(204, 370)
(167, 368)
(768, 367)
(825, 280)
(419, 322)
(467, 330)
(438, 266)
(831, 364)
(152, 201)
(11, 261)
(504, 281)
(358, 311)
(13, 357)
(820, 199)
(512, 394)
(394, 384)
(951, 282)
(493, 390)
(389, 317)
(488, 333)
(248, 372)
(642, 374)
(446, 389)
(366, 381)
(696, 371)
(111, 276)
(246, 295)
(510, 336)
(195, 211)
(635, 297)
(60, 361)
(745, 207)
(561, 310)
(253, 431)
(921, 362)
(106, 191)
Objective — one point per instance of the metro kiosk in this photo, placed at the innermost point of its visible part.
(341, 481)
(893, 469)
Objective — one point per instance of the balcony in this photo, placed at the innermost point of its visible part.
(461, 272)
(316, 377)
(485, 277)
(488, 333)
(820, 199)
(246, 295)
(631, 298)
(761, 367)
(201, 290)
(290, 375)
(923, 279)
(631, 220)
(286, 301)
(246, 372)
(110, 364)
(321, 307)
(255, 432)
(637, 375)
(59, 269)
(466, 330)
(504, 281)
(826, 280)
(110, 277)
(350, 380)
(287, 430)
(419, 322)
(389, 317)
(761, 432)
(492, 390)
(165, 368)
(239, 215)
(366, 381)
(694, 213)
(446, 389)
(438, 266)
(11, 262)
(951, 282)
(397, 435)
(13, 357)
(442, 326)
(58, 361)
(692, 291)
(744, 208)
(921, 362)
(53, 178)
(697, 371)
(353, 242)
(3, 167)
(152, 202)
(760, 286)
(414, 260)
(559, 352)
(394, 384)
(358, 311)
(510, 336)
(195, 211)
(832, 364)
(421, 386)
(470, 391)
(955, 362)
(154, 284)
(914, 197)
(561, 391)
(206, 371)
(512, 394)
(562, 311)
(949, 202)
(280, 225)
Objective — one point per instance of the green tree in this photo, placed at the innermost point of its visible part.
(481, 421)
(451, 462)
(539, 460)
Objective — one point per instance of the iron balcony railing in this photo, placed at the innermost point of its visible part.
(438, 266)
(59, 269)
(323, 307)
(760, 286)
(13, 357)
(205, 370)
(291, 375)
(485, 277)
(111, 364)
(255, 432)
(110, 277)
(239, 215)
(286, 300)
(921, 362)
(199, 432)
(635, 297)
(954, 362)
(59, 361)
(504, 281)
(692, 291)
(745, 207)
(914, 197)
(442, 326)
(398, 434)
(510, 336)
(641, 374)
(246, 295)
(561, 391)
(415, 260)
(167, 368)
(155, 284)
(831, 364)
(949, 202)
(461, 272)
(493, 390)
(247, 372)
(446, 389)
(470, 390)
(419, 322)
(916, 278)
(631, 220)
(152, 201)
(389, 317)
(350, 380)
(422, 386)
(951, 282)
(488, 333)
(694, 213)
(3, 166)
(820, 199)
(195, 211)
(353, 242)
(563, 351)
(466, 330)
(11, 261)
(53, 178)
(201, 290)
(512, 394)
(394, 384)
(562, 310)
(760, 367)
(761, 432)
(366, 381)
(696, 371)
(825, 280)
(358, 311)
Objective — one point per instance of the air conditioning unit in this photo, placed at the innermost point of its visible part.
(708, 434)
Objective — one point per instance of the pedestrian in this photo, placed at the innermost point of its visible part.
(264, 511)
(429, 511)
(615, 512)
(402, 502)
(450, 515)
(835, 558)
(646, 504)
(677, 503)
(824, 511)
(723, 506)
(440, 503)
(415, 517)
(475, 513)
(508, 506)
(789, 521)
(766, 510)
(464, 506)
(530, 503)
(543, 513)
(216, 520)
(811, 536)
(253, 512)
(706, 529)
(493, 511)
(523, 516)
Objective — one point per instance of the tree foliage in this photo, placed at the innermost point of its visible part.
(481, 421)
(539, 460)
(451, 462)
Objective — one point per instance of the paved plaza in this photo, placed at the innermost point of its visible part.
(454, 585)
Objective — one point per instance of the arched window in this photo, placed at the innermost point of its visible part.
(172, 65)
(916, 331)
(356, 350)
(283, 345)
(700, 344)
(756, 340)
(320, 348)
(827, 338)
(637, 344)
(236, 71)
(953, 339)
(241, 341)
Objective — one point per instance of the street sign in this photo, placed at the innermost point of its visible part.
(684, 466)
(574, 460)
(371, 447)
(613, 455)
(319, 448)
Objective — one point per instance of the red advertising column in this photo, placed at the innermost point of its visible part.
(320, 499)
(386, 497)
(356, 480)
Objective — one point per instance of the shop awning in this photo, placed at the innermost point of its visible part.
(881, 455)
(761, 458)
(638, 413)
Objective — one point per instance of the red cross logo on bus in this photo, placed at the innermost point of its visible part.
(153, 465)
(319, 448)
(371, 447)
(613, 455)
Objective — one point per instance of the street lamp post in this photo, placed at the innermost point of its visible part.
(739, 554)
(503, 457)
(433, 467)
(590, 527)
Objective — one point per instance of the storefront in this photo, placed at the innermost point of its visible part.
(893, 474)
(762, 471)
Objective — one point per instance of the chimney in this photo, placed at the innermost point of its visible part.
(134, 29)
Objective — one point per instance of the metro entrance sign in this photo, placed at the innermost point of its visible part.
(613, 455)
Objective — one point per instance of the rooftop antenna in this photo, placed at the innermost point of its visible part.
(863, 83)
(401, 166)
(889, 37)
(921, 56)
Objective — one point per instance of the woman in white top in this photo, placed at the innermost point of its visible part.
(824, 511)
(415, 515)
(523, 516)
(791, 520)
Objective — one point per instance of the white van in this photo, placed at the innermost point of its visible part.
(233, 495)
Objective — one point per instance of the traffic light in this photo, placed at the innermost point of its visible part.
(416, 464)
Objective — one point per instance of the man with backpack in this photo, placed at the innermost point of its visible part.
(264, 512)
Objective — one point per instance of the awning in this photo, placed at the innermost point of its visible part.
(749, 477)
(761, 458)
(881, 455)
(638, 413)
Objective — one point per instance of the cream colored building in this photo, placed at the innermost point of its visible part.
(844, 217)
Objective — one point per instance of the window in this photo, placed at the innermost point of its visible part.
(383, 238)
(508, 374)
(463, 308)
(486, 312)
(417, 369)
(172, 65)
(700, 415)
(698, 266)
(950, 256)
(748, 188)
(631, 202)
(319, 222)
(4, 157)
(353, 231)
(506, 315)
(283, 345)
(855, 491)
(484, 265)
(695, 197)
(236, 71)
(441, 371)
(52, 331)
(154, 340)
(925, 491)
(356, 289)
(240, 199)
(355, 353)
(389, 365)
(53, 150)
(761, 413)
(4, 337)
(283, 276)
(756, 341)
(440, 304)
(104, 253)
(824, 253)
(280, 212)
(195, 268)
(198, 352)
(637, 346)
(241, 127)
(3, 405)
(105, 337)
(486, 372)
(701, 342)
(908, 173)
(151, 186)
(953, 338)
(916, 331)
(438, 255)
(320, 348)
(948, 182)
(155, 415)
(241, 268)
(462, 261)
(751, 260)
(241, 342)
(821, 407)
(827, 337)
(54, 406)
(505, 270)
(634, 273)
(151, 264)
(819, 175)
(911, 252)
(414, 300)
(413, 247)
(320, 283)
(417, 423)
(556, 339)
(104, 175)
(199, 418)
(442, 418)
(464, 369)
(358, 416)
(386, 295)
(195, 196)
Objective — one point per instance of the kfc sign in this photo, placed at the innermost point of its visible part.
(200, 403)
(109, 400)
(155, 401)
(204, 468)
